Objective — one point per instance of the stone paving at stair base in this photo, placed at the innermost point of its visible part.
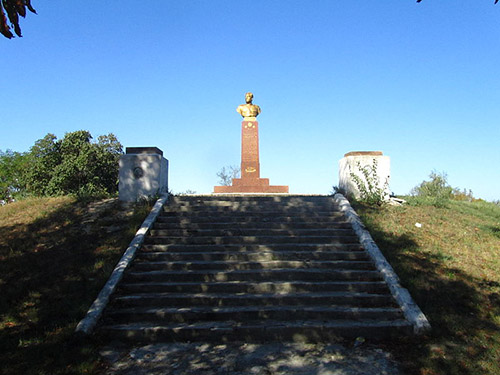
(243, 359)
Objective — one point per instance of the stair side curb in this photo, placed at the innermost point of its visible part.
(409, 307)
(88, 323)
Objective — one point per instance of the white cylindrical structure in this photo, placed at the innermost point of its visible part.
(363, 164)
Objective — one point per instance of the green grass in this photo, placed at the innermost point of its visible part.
(451, 266)
(55, 255)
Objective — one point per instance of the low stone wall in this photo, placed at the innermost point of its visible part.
(87, 324)
(409, 307)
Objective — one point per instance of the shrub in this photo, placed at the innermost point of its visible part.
(368, 185)
(438, 192)
(437, 187)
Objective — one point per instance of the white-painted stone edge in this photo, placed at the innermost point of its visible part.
(410, 309)
(88, 323)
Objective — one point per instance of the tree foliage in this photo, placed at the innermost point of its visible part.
(12, 9)
(11, 182)
(72, 165)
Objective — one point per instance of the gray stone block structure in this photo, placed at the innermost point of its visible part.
(143, 173)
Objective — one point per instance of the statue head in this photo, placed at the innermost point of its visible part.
(248, 97)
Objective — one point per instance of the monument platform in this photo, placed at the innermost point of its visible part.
(251, 185)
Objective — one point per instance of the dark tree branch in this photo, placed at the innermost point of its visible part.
(14, 9)
(418, 1)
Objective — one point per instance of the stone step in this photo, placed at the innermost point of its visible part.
(253, 209)
(314, 247)
(295, 286)
(190, 265)
(247, 219)
(186, 224)
(248, 199)
(247, 268)
(249, 313)
(255, 214)
(353, 299)
(260, 331)
(252, 256)
(257, 201)
(285, 274)
(235, 231)
(221, 240)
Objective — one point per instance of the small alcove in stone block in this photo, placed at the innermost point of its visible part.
(143, 173)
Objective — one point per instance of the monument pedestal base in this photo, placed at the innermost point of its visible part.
(250, 181)
(251, 185)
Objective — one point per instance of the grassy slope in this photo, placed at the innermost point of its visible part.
(53, 261)
(55, 255)
(451, 266)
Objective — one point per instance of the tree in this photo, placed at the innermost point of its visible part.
(74, 165)
(12, 165)
(14, 9)
(226, 175)
(43, 157)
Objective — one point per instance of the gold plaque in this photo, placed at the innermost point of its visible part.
(250, 170)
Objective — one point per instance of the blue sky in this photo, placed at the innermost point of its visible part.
(420, 82)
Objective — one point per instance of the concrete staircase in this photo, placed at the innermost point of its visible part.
(252, 268)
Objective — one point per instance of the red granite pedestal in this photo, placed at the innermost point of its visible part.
(250, 181)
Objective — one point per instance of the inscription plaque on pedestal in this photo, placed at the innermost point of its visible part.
(250, 181)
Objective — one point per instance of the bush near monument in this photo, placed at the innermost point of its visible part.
(72, 165)
(438, 192)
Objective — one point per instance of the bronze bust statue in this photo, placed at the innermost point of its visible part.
(248, 110)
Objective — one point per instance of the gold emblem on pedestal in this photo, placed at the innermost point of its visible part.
(250, 170)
